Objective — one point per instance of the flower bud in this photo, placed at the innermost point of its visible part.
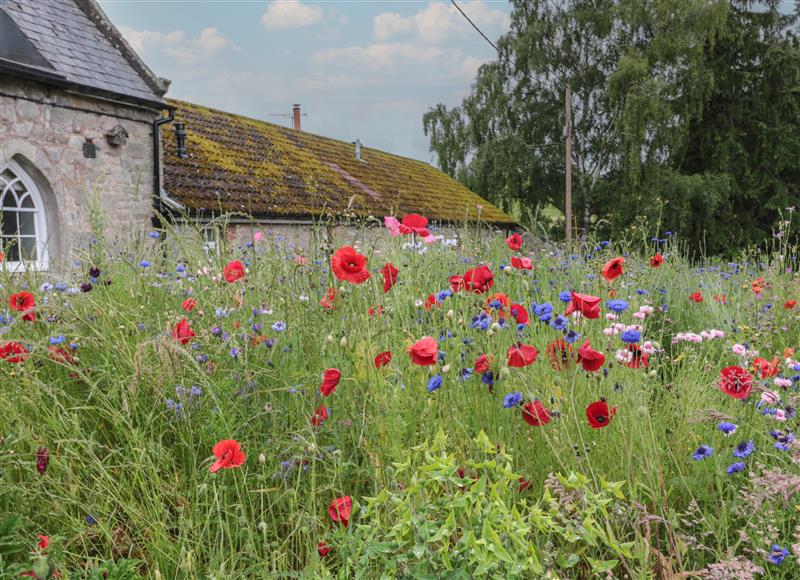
(446, 368)
(450, 314)
(262, 459)
(42, 460)
(329, 339)
(343, 342)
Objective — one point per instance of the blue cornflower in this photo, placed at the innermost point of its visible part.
(735, 467)
(154, 235)
(465, 374)
(542, 310)
(144, 264)
(744, 449)
(435, 383)
(90, 520)
(279, 326)
(488, 378)
(495, 304)
(61, 286)
(180, 268)
(727, 428)
(512, 400)
(617, 305)
(702, 452)
(631, 336)
(560, 323)
(571, 336)
(605, 243)
(641, 292)
(57, 339)
(778, 554)
(235, 351)
(565, 296)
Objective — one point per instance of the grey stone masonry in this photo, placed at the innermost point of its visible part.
(44, 129)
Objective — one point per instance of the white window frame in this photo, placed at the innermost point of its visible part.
(43, 258)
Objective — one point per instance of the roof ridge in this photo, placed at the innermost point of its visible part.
(292, 131)
(92, 9)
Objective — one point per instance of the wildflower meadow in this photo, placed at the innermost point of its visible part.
(406, 401)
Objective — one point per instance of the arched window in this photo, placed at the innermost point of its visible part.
(23, 226)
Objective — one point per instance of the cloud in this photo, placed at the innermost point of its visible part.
(208, 43)
(291, 14)
(440, 22)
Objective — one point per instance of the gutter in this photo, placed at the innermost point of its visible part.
(158, 191)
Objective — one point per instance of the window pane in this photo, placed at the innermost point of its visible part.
(11, 249)
(27, 201)
(19, 187)
(10, 200)
(27, 223)
(9, 219)
(28, 249)
(8, 176)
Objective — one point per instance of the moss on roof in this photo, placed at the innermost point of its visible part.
(239, 164)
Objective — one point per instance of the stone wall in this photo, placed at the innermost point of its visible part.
(44, 130)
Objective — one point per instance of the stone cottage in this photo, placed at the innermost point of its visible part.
(83, 122)
(77, 113)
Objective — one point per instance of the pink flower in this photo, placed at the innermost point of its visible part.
(392, 224)
(258, 236)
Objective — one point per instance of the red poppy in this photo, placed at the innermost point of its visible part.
(698, 298)
(383, 359)
(523, 484)
(590, 359)
(758, 285)
(482, 364)
(340, 509)
(376, 311)
(457, 283)
(233, 271)
(431, 301)
(329, 381)
(586, 304)
(599, 414)
(323, 549)
(350, 266)
(559, 354)
(23, 302)
(535, 414)
(497, 297)
(13, 352)
(479, 279)
(424, 351)
(766, 368)
(613, 269)
(389, 276)
(521, 263)
(189, 304)
(44, 541)
(320, 415)
(514, 241)
(639, 358)
(228, 454)
(656, 260)
(329, 302)
(735, 382)
(182, 333)
(521, 355)
(721, 298)
(790, 304)
(519, 313)
(415, 223)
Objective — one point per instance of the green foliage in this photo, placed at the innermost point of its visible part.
(686, 105)
(436, 523)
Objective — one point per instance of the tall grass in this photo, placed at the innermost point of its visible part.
(128, 475)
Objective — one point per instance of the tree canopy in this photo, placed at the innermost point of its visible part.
(685, 112)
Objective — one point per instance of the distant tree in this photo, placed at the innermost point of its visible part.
(683, 111)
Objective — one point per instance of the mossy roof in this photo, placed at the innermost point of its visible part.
(239, 164)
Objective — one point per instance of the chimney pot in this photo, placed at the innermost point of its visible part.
(296, 117)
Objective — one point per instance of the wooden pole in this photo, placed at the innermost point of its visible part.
(568, 164)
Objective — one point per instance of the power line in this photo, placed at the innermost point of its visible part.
(475, 26)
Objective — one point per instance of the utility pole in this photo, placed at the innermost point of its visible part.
(568, 164)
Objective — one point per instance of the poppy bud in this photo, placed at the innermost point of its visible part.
(329, 339)
(445, 368)
(496, 327)
(42, 459)
(450, 314)
(343, 342)
(262, 459)
(490, 332)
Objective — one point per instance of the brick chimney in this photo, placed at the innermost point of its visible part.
(296, 117)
